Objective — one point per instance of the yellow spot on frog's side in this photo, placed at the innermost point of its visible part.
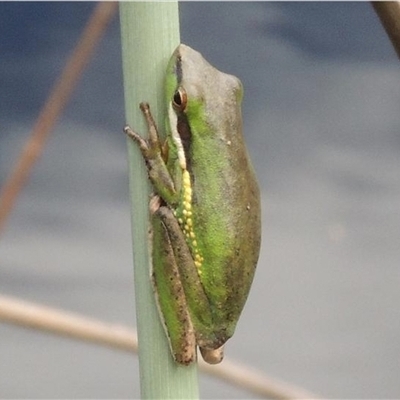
(185, 220)
(186, 178)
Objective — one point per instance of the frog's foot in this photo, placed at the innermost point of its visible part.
(212, 356)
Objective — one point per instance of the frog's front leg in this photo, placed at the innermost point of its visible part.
(154, 154)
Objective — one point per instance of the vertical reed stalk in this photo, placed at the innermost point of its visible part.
(150, 33)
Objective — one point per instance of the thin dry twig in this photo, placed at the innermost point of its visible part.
(254, 381)
(30, 315)
(389, 15)
(54, 105)
(74, 326)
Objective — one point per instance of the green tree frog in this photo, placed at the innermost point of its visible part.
(205, 210)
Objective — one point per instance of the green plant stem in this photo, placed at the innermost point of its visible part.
(150, 33)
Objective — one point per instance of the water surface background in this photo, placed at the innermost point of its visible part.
(322, 122)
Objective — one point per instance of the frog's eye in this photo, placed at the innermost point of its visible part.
(179, 100)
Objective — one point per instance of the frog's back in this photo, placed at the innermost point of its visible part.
(225, 196)
(227, 217)
(226, 205)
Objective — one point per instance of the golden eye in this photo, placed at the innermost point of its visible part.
(179, 100)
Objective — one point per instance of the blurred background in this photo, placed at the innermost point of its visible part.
(322, 123)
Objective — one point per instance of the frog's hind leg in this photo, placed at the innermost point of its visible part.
(169, 293)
